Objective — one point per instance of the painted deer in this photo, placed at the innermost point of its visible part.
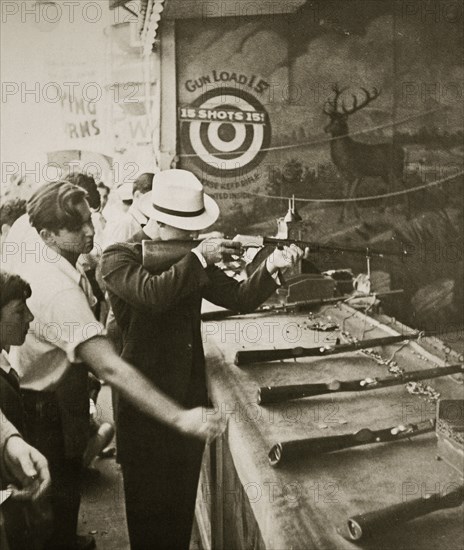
(355, 160)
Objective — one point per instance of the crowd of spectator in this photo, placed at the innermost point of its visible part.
(78, 309)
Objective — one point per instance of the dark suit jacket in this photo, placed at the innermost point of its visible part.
(159, 315)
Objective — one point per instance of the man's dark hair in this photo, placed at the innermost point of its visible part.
(12, 287)
(143, 183)
(11, 210)
(88, 184)
(53, 207)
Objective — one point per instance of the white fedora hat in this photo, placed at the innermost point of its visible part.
(177, 199)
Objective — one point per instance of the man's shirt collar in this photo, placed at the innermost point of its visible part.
(5, 362)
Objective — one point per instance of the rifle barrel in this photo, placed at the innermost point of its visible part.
(160, 254)
(316, 247)
(372, 523)
(276, 394)
(301, 304)
(246, 357)
(291, 450)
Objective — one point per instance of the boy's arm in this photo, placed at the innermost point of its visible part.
(136, 388)
(22, 463)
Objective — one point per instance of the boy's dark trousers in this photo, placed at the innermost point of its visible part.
(57, 424)
(23, 528)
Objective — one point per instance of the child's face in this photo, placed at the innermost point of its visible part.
(15, 318)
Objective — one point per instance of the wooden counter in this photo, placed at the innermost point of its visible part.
(245, 503)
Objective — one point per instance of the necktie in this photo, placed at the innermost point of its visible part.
(13, 379)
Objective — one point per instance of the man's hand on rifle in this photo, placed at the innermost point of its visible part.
(216, 250)
(202, 423)
(285, 257)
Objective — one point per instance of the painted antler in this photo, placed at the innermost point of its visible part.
(370, 96)
(332, 103)
(356, 160)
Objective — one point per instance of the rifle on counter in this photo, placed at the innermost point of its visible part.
(388, 519)
(291, 450)
(246, 357)
(162, 253)
(301, 304)
(276, 394)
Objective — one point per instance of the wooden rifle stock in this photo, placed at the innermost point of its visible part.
(276, 394)
(290, 450)
(246, 357)
(370, 524)
(160, 255)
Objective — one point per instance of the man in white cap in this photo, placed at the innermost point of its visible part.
(159, 314)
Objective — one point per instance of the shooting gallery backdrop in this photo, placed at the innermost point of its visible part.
(251, 92)
(250, 122)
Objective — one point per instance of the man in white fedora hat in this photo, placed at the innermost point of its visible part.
(159, 314)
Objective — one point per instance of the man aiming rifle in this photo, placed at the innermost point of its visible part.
(158, 311)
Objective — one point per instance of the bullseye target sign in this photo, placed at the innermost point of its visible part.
(225, 131)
